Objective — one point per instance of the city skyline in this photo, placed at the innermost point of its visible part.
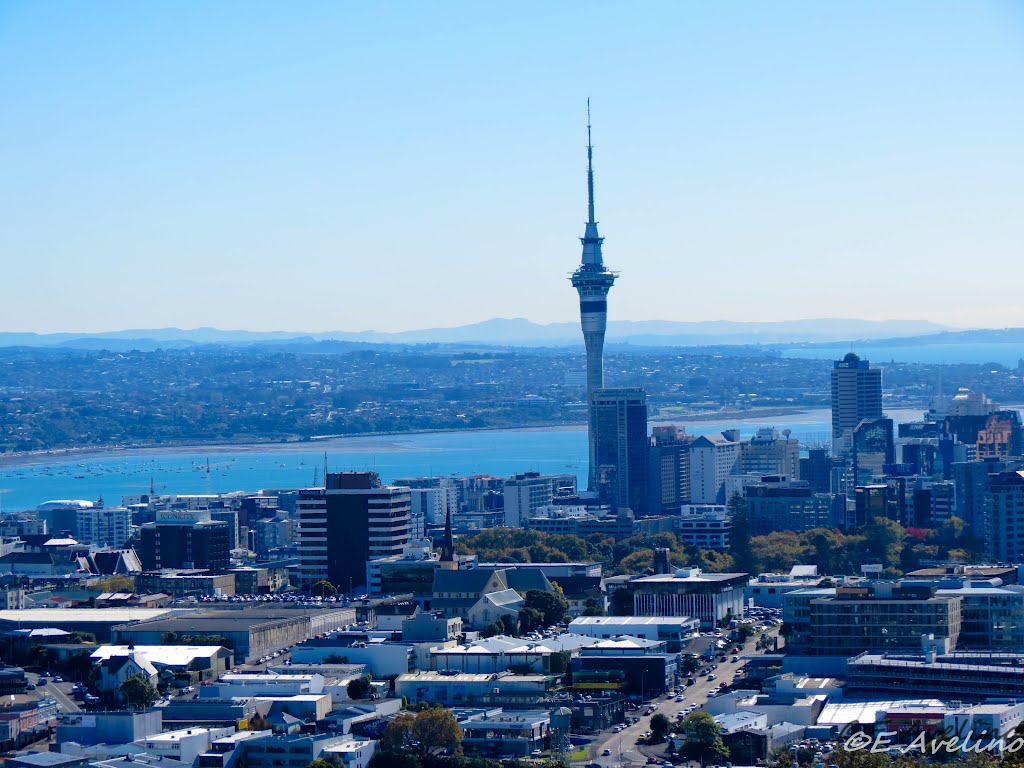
(185, 167)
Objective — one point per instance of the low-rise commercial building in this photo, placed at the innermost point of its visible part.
(709, 597)
(251, 632)
(674, 631)
(186, 583)
(197, 662)
(295, 751)
(519, 732)
(459, 689)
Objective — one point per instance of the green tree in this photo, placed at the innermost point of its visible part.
(659, 728)
(552, 605)
(703, 739)
(40, 656)
(137, 691)
(622, 602)
(114, 584)
(560, 661)
(739, 542)
(530, 619)
(689, 664)
(323, 588)
(592, 607)
(883, 540)
(359, 688)
(399, 734)
(437, 731)
(509, 624)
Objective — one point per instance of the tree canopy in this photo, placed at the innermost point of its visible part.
(881, 541)
(433, 731)
(138, 691)
(552, 605)
(703, 738)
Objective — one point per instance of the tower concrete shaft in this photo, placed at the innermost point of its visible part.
(592, 280)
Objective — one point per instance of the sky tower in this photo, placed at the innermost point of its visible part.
(593, 281)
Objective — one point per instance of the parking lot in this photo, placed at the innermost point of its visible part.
(624, 745)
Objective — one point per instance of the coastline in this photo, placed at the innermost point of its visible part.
(384, 441)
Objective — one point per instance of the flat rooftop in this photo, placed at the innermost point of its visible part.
(209, 622)
(167, 655)
(58, 616)
(633, 621)
(700, 578)
(467, 677)
(847, 712)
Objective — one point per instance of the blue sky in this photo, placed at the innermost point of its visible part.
(317, 166)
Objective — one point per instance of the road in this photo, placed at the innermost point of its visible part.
(623, 745)
(57, 691)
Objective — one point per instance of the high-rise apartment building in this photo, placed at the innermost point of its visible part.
(528, 492)
(619, 446)
(856, 395)
(432, 504)
(351, 520)
(1005, 539)
(770, 452)
(104, 526)
(789, 506)
(668, 475)
(816, 470)
(185, 538)
(592, 280)
(712, 459)
(272, 533)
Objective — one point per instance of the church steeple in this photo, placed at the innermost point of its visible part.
(448, 549)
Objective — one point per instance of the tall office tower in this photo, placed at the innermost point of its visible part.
(873, 449)
(619, 446)
(593, 280)
(185, 538)
(104, 526)
(528, 492)
(856, 395)
(351, 520)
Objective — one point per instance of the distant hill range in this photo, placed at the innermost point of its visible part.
(520, 332)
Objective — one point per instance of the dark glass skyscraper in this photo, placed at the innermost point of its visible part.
(593, 280)
(619, 446)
